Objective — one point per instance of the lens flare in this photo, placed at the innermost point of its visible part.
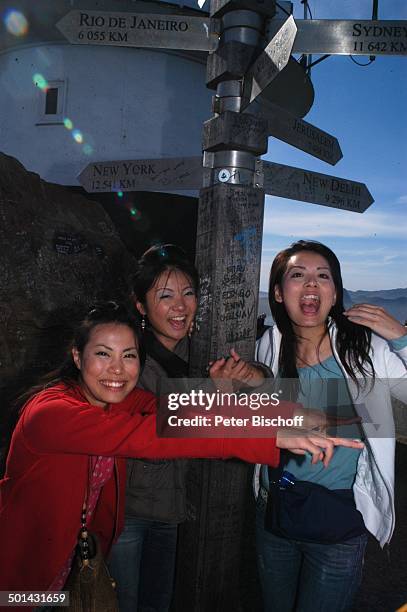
(120, 194)
(77, 136)
(87, 149)
(15, 23)
(68, 123)
(40, 81)
(135, 214)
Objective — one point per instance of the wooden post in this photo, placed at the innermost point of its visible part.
(216, 560)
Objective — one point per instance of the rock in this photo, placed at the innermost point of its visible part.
(59, 253)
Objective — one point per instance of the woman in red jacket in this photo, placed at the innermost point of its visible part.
(71, 441)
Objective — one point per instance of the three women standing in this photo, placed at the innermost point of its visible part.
(70, 445)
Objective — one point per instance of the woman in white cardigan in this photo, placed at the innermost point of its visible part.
(365, 349)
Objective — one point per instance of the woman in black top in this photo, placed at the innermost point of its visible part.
(143, 560)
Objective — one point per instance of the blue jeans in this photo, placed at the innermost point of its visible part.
(142, 563)
(306, 576)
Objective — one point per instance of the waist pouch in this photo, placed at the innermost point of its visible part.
(309, 512)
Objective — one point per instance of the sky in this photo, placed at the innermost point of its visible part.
(366, 109)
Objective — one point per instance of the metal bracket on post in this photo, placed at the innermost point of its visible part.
(232, 166)
(240, 33)
(241, 26)
(228, 97)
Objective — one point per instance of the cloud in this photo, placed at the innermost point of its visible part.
(357, 273)
(366, 263)
(402, 200)
(292, 222)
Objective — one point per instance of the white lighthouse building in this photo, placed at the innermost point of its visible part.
(64, 105)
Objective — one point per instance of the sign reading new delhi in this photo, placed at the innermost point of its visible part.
(299, 184)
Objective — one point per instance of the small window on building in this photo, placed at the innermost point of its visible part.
(51, 103)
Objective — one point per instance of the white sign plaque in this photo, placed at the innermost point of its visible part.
(170, 173)
(306, 186)
(83, 27)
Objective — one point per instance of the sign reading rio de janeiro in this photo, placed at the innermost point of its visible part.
(139, 30)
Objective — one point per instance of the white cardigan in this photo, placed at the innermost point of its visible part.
(374, 484)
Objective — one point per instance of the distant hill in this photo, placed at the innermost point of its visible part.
(393, 300)
(387, 294)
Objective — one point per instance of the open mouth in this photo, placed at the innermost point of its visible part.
(178, 322)
(310, 304)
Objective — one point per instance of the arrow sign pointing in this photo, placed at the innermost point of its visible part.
(140, 30)
(348, 37)
(143, 174)
(298, 184)
(179, 173)
(287, 127)
(270, 62)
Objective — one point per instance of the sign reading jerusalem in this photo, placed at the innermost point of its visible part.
(140, 30)
(287, 127)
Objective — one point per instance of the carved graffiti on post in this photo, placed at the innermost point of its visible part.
(235, 130)
(229, 266)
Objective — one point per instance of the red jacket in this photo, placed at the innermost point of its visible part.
(42, 493)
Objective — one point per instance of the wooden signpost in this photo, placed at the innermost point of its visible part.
(230, 220)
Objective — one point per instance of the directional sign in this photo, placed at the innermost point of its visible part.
(287, 127)
(348, 37)
(140, 30)
(299, 184)
(143, 174)
(269, 63)
(179, 173)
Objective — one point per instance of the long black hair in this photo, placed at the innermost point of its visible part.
(156, 260)
(352, 341)
(67, 372)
